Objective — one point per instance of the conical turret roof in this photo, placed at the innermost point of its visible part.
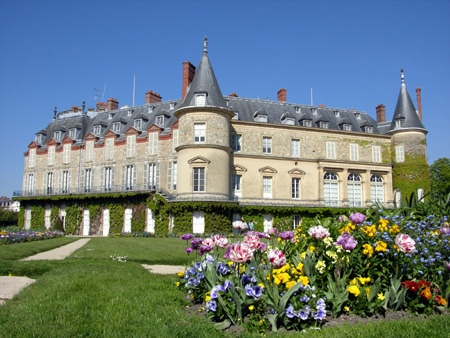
(204, 82)
(405, 111)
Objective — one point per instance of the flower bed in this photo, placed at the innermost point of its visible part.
(363, 265)
(12, 237)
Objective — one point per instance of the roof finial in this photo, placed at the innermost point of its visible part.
(205, 45)
(54, 113)
(403, 77)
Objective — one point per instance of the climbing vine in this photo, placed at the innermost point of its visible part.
(116, 217)
(21, 219)
(411, 175)
(74, 217)
(138, 218)
(37, 217)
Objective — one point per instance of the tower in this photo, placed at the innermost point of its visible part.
(204, 138)
(410, 171)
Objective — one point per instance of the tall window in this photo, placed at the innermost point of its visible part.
(153, 143)
(57, 136)
(267, 187)
(296, 188)
(331, 150)
(236, 187)
(131, 145)
(331, 189)
(38, 138)
(236, 142)
(199, 179)
(49, 183)
(399, 154)
(89, 151)
(138, 124)
(108, 178)
(66, 153)
(160, 121)
(116, 127)
(51, 155)
(32, 158)
(72, 133)
(267, 145)
(296, 221)
(64, 181)
(376, 189)
(354, 190)
(174, 140)
(128, 177)
(87, 179)
(30, 184)
(151, 176)
(354, 152)
(199, 133)
(97, 130)
(295, 148)
(376, 153)
(172, 172)
(109, 149)
(200, 99)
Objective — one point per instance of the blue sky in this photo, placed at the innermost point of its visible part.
(54, 53)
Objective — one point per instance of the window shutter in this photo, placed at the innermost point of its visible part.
(45, 182)
(25, 185)
(60, 181)
(92, 178)
(69, 181)
(102, 177)
(112, 177)
(145, 175)
(175, 140)
(124, 177)
(157, 175)
(53, 182)
(82, 178)
(169, 176)
(134, 171)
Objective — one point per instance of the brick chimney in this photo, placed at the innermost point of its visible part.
(419, 101)
(152, 97)
(282, 95)
(381, 113)
(101, 106)
(113, 104)
(188, 76)
(234, 95)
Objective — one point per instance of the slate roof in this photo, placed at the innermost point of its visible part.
(405, 110)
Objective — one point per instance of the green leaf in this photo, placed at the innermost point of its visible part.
(223, 325)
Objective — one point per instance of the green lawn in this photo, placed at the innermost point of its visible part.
(90, 294)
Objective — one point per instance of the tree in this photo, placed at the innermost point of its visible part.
(440, 177)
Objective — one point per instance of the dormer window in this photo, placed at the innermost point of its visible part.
(368, 129)
(72, 133)
(129, 112)
(323, 124)
(399, 123)
(289, 120)
(358, 115)
(172, 105)
(337, 113)
(110, 116)
(236, 116)
(307, 123)
(38, 138)
(261, 118)
(347, 127)
(160, 121)
(314, 111)
(57, 136)
(97, 130)
(116, 127)
(138, 124)
(200, 99)
(298, 110)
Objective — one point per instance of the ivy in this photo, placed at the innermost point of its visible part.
(138, 219)
(37, 217)
(21, 219)
(115, 217)
(74, 217)
(54, 216)
(411, 175)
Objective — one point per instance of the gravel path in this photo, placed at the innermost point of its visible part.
(164, 269)
(58, 253)
(10, 286)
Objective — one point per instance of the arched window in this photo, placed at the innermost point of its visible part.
(354, 190)
(376, 189)
(331, 189)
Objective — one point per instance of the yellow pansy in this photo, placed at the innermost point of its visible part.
(300, 267)
(381, 246)
(368, 250)
(181, 274)
(251, 307)
(353, 281)
(353, 289)
(304, 280)
(394, 229)
(207, 298)
(230, 263)
(290, 284)
(363, 280)
(381, 296)
(178, 283)
(261, 285)
(311, 248)
(346, 308)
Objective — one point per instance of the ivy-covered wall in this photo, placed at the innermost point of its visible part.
(411, 175)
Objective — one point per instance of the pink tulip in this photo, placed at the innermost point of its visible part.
(276, 258)
(240, 252)
(405, 243)
(220, 241)
(252, 241)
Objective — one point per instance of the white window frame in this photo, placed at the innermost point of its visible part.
(295, 188)
(30, 184)
(354, 188)
(399, 154)
(159, 121)
(108, 178)
(261, 118)
(267, 186)
(137, 124)
(267, 145)
(72, 133)
(153, 143)
(296, 221)
(64, 181)
(67, 149)
(151, 176)
(38, 138)
(331, 189)
(376, 189)
(354, 152)
(347, 127)
(236, 185)
(295, 148)
(399, 123)
(32, 158)
(198, 179)
(172, 172)
(368, 129)
(236, 142)
(89, 151)
(131, 146)
(57, 136)
(129, 177)
(174, 140)
(307, 123)
(49, 183)
(376, 154)
(116, 127)
(88, 179)
(97, 130)
(200, 99)
(200, 132)
(331, 150)
(51, 155)
(289, 121)
(323, 124)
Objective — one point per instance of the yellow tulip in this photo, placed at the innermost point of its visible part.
(353, 289)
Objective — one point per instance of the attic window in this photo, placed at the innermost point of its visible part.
(307, 123)
(97, 130)
(399, 123)
(289, 120)
(38, 138)
(368, 129)
(323, 124)
(57, 136)
(150, 109)
(172, 105)
(200, 99)
(72, 133)
(236, 116)
(110, 116)
(138, 124)
(358, 115)
(347, 127)
(160, 121)
(314, 111)
(261, 118)
(130, 112)
(116, 127)
(337, 113)
(298, 110)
